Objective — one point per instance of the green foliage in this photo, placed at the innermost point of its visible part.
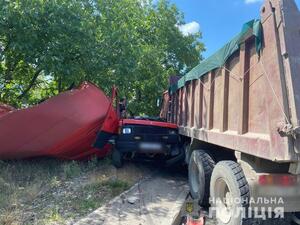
(46, 46)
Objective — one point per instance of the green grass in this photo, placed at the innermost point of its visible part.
(53, 217)
(42, 191)
(71, 169)
(96, 191)
(116, 186)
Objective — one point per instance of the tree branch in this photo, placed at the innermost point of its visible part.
(33, 80)
(59, 84)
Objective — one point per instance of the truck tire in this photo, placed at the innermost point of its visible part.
(201, 166)
(230, 193)
(117, 158)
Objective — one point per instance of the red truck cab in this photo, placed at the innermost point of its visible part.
(148, 137)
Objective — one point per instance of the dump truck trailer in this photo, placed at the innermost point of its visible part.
(238, 113)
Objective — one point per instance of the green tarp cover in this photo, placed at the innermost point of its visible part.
(218, 59)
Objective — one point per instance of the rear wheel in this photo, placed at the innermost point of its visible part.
(117, 158)
(230, 194)
(201, 166)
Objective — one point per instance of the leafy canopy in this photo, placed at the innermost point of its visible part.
(49, 46)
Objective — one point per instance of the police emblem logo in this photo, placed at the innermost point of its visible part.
(189, 207)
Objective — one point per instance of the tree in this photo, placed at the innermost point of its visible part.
(43, 41)
(48, 45)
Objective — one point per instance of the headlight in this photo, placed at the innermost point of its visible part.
(126, 131)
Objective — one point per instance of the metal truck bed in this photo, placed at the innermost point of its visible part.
(251, 104)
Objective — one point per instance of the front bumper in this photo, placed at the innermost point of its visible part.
(134, 143)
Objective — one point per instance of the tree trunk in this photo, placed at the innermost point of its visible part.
(32, 82)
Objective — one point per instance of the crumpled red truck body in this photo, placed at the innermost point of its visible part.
(64, 126)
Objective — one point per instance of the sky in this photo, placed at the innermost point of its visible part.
(218, 20)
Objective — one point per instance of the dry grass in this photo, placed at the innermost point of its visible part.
(49, 191)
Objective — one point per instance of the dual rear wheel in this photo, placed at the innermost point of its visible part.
(201, 166)
(222, 184)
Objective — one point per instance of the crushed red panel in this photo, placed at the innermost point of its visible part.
(64, 126)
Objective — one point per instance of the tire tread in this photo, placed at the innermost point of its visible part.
(208, 164)
(241, 184)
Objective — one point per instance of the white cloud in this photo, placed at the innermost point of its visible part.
(189, 28)
(253, 1)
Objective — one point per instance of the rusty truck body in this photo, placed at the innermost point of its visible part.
(245, 114)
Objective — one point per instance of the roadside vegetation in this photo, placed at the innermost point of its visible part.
(47, 47)
(49, 191)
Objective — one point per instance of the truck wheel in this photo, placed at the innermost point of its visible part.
(230, 194)
(117, 158)
(200, 169)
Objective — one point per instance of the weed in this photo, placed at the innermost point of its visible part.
(117, 186)
(55, 182)
(86, 205)
(71, 169)
(92, 164)
(9, 217)
(3, 185)
(54, 217)
(32, 191)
